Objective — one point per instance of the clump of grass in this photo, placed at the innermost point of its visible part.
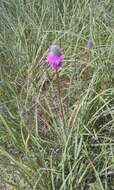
(36, 150)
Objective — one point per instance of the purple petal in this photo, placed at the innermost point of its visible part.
(55, 61)
(55, 57)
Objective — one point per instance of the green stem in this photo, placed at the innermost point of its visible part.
(59, 95)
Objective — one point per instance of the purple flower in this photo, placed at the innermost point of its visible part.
(90, 44)
(55, 57)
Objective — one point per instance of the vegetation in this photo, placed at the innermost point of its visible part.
(39, 149)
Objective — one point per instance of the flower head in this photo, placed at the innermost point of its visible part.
(55, 57)
(90, 44)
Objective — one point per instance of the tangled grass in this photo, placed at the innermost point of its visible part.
(38, 151)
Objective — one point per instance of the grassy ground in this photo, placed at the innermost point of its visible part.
(39, 150)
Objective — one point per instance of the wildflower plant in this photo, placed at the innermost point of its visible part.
(55, 58)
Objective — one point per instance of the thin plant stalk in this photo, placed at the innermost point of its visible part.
(59, 95)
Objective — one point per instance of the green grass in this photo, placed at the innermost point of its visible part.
(38, 151)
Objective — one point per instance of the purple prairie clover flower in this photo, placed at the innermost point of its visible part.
(55, 57)
(90, 44)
